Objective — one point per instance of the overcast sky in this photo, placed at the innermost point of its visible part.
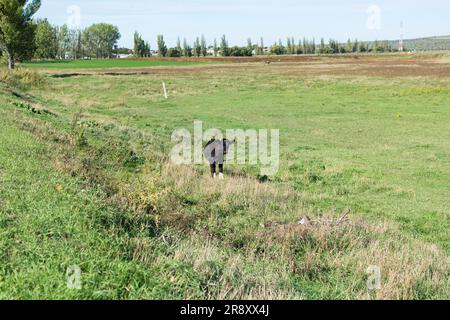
(271, 19)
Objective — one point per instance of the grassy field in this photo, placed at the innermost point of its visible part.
(105, 64)
(85, 180)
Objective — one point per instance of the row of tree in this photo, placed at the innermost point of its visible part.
(141, 48)
(22, 38)
(305, 46)
(200, 48)
(96, 41)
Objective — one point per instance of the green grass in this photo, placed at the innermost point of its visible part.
(374, 150)
(49, 221)
(143, 229)
(107, 63)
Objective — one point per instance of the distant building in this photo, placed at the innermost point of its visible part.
(122, 56)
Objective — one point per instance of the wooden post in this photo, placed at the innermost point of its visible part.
(165, 90)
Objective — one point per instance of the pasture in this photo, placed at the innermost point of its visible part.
(86, 180)
(108, 63)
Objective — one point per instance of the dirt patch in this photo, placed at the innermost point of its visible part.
(372, 66)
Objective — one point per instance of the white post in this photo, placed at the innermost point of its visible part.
(165, 90)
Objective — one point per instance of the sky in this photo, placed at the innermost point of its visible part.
(243, 19)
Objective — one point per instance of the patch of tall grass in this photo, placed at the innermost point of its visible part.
(21, 78)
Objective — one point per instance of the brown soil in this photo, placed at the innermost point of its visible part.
(345, 65)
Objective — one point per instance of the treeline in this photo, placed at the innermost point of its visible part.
(100, 41)
(331, 47)
(54, 42)
(200, 47)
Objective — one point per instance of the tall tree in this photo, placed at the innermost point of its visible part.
(280, 49)
(261, 48)
(100, 39)
(17, 30)
(300, 47)
(46, 40)
(147, 50)
(355, 46)
(204, 46)
(63, 35)
(187, 50)
(141, 48)
(249, 44)
(215, 48)
(322, 46)
(179, 48)
(362, 47)
(79, 50)
(289, 46)
(162, 48)
(137, 44)
(349, 47)
(224, 49)
(75, 43)
(197, 47)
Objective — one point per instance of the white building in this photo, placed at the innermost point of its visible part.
(122, 56)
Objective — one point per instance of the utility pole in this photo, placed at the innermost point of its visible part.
(401, 47)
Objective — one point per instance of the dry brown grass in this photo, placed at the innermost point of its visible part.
(246, 275)
(21, 78)
(335, 250)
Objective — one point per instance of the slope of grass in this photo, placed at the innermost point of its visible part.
(438, 43)
(427, 44)
(49, 222)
